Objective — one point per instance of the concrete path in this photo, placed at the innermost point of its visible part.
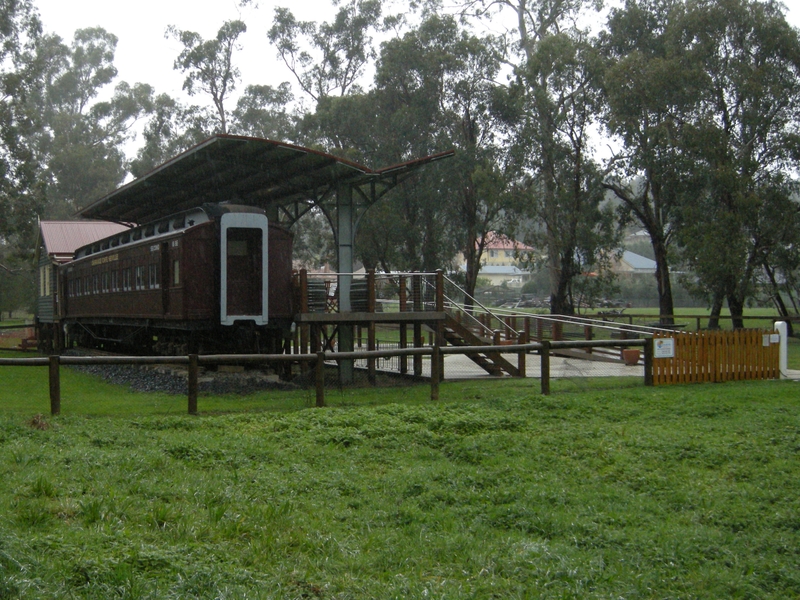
(457, 366)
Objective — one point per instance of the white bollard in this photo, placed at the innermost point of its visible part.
(783, 331)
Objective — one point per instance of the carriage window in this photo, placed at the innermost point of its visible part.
(176, 272)
(139, 278)
(105, 282)
(126, 279)
(153, 272)
(114, 281)
(95, 284)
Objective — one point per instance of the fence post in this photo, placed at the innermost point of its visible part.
(435, 375)
(648, 362)
(192, 384)
(545, 375)
(55, 386)
(522, 356)
(319, 377)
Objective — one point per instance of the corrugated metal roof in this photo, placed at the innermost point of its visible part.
(243, 170)
(639, 262)
(64, 237)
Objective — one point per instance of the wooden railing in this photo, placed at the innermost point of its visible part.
(318, 361)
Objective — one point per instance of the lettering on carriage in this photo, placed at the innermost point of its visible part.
(105, 259)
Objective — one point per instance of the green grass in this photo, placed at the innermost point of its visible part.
(493, 492)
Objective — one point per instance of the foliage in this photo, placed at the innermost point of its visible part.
(208, 65)
(649, 86)
(80, 141)
(261, 111)
(559, 189)
(337, 52)
(21, 194)
(743, 137)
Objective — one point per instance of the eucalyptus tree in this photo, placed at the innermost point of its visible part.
(650, 85)
(434, 87)
(209, 66)
(328, 59)
(263, 111)
(171, 128)
(79, 141)
(21, 194)
(550, 110)
(744, 140)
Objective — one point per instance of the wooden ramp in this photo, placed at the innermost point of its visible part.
(493, 363)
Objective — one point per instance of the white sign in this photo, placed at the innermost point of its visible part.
(664, 348)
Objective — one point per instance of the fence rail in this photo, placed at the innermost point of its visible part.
(318, 361)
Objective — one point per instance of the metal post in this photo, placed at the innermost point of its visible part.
(371, 325)
(440, 290)
(345, 215)
(403, 328)
(304, 329)
(416, 299)
(55, 386)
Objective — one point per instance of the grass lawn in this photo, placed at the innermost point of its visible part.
(493, 492)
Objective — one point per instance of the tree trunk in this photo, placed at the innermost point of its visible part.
(778, 299)
(560, 301)
(716, 309)
(736, 306)
(665, 305)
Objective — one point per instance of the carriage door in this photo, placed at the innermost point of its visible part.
(243, 268)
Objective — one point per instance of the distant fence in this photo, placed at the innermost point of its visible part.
(717, 356)
(318, 361)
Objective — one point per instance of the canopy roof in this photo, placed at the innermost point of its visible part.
(243, 170)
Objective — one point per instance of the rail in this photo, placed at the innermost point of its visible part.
(462, 309)
(318, 360)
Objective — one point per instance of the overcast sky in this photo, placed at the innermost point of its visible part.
(145, 55)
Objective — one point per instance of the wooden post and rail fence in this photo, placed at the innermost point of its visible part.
(694, 357)
(316, 361)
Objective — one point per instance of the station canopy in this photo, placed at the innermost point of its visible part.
(283, 179)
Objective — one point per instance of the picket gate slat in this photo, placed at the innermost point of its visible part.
(717, 356)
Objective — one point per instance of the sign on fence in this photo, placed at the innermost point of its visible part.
(664, 348)
(715, 356)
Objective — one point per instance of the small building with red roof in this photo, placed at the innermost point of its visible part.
(56, 244)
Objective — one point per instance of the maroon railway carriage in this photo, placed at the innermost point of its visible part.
(214, 278)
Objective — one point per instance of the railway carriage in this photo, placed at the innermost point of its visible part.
(210, 279)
